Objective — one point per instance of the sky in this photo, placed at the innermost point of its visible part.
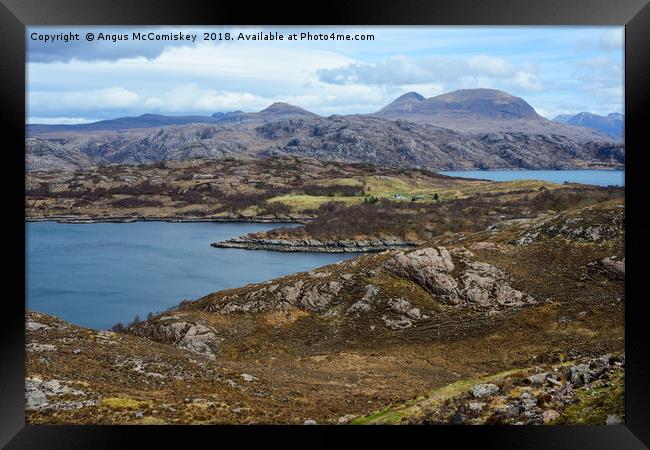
(558, 70)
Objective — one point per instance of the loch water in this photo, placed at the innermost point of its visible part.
(98, 274)
(594, 177)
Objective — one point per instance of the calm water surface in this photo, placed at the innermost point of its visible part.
(597, 177)
(96, 275)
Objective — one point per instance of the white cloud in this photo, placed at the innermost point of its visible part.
(527, 81)
(612, 39)
(489, 65)
(218, 101)
(59, 120)
(154, 103)
(110, 98)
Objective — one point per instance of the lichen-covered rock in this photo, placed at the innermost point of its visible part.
(32, 325)
(363, 305)
(596, 226)
(476, 283)
(399, 323)
(291, 293)
(611, 267)
(53, 394)
(550, 415)
(35, 347)
(190, 336)
(484, 390)
(314, 300)
(402, 306)
(537, 379)
(420, 265)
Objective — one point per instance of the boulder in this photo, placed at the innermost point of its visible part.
(399, 323)
(550, 415)
(484, 390)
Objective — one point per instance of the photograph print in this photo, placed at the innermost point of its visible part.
(325, 225)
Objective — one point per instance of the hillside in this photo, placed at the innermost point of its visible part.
(337, 138)
(354, 202)
(481, 111)
(340, 343)
(466, 129)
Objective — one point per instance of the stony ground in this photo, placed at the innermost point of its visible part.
(587, 391)
(341, 343)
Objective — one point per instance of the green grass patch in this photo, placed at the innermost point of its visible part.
(596, 404)
(300, 202)
(394, 414)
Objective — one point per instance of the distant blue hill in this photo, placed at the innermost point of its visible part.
(612, 124)
(123, 123)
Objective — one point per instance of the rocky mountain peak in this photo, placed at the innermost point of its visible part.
(403, 104)
(484, 103)
(282, 108)
(410, 96)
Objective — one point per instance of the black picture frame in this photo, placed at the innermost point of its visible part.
(15, 15)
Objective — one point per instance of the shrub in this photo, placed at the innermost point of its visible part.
(135, 202)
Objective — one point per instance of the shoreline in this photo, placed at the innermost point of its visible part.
(519, 169)
(71, 219)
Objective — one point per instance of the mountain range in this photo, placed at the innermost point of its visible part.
(612, 125)
(464, 129)
(480, 111)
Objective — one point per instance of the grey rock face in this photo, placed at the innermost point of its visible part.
(314, 245)
(194, 337)
(581, 374)
(484, 390)
(428, 267)
(538, 379)
(400, 323)
(34, 347)
(36, 326)
(597, 227)
(613, 420)
(314, 300)
(353, 138)
(53, 394)
(402, 306)
(475, 283)
(475, 407)
(611, 267)
(363, 305)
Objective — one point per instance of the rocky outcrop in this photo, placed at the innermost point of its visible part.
(467, 282)
(451, 277)
(314, 245)
(190, 336)
(483, 390)
(610, 267)
(54, 395)
(598, 226)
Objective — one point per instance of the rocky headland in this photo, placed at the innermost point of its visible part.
(313, 245)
